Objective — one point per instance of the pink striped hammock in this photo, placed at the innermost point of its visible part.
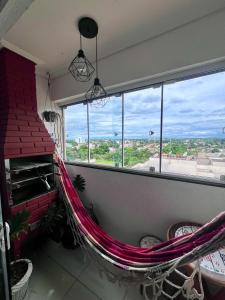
(186, 248)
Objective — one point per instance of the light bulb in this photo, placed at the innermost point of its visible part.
(81, 67)
(97, 90)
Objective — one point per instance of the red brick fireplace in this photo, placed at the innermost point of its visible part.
(24, 141)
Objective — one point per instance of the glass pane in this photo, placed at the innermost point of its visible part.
(76, 133)
(106, 132)
(142, 110)
(193, 127)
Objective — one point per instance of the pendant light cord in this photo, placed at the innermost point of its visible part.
(96, 51)
(80, 42)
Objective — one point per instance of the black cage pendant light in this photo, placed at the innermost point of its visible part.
(80, 67)
(96, 91)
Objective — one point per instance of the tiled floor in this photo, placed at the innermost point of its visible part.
(61, 274)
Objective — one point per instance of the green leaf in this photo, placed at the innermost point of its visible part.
(79, 183)
(18, 223)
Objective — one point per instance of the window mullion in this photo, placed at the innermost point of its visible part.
(88, 132)
(161, 129)
(122, 130)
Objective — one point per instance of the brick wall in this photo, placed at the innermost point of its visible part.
(37, 207)
(22, 131)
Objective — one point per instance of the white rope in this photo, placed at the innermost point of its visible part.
(157, 277)
(156, 284)
(187, 289)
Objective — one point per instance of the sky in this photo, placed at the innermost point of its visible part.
(193, 108)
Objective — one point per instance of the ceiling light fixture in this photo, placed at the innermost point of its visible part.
(96, 91)
(80, 67)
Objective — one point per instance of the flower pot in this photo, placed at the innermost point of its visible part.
(49, 116)
(19, 290)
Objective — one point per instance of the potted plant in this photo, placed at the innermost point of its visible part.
(55, 226)
(53, 221)
(21, 269)
(80, 184)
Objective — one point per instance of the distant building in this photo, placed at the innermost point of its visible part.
(79, 140)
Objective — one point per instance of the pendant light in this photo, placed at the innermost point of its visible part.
(96, 91)
(80, 67)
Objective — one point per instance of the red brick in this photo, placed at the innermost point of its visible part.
(32, 202)
(18, 122)
(35, 124)
(27, 145)
(53, 194)
(8, 116)
(15, 209)
(18, 133)
(12, 145)
(11, 127)
(43, 209)
(28, 128)
(30, 139)
(33, 218)
(31, 107)
(50, 148)
(13, 139)
(43, 202)
(43, 129)
(31, 113)
(41, 197)
(39, 212)
(43, 144)
(42, 134)
(47, 139)
(26, 118)
(19, 111)
(32, 209)
(29, 150)
(9, 151)
(39, 149)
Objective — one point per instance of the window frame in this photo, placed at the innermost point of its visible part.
(175, 77)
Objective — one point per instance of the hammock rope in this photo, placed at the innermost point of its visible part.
(149, 266)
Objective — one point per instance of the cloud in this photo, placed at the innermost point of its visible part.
(192, 108)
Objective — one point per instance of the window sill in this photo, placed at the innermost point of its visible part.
(174, 177)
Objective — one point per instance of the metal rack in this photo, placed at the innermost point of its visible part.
(17, 184)
(17, 168)
(28, 177)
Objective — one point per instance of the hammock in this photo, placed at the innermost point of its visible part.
(157, 262)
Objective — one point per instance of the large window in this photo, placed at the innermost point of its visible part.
(193, 126)
(175, 127)
(105, 125)
(142, 129)
(76, 133)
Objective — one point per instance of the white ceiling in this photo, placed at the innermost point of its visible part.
(47, 30)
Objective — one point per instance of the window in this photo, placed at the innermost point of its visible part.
(193, 127)
(176, 127)
(142, 111)
(105, 125)
(76, 133)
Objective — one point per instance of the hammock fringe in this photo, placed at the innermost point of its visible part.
(150, 267)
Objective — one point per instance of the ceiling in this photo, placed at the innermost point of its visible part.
(47, 30)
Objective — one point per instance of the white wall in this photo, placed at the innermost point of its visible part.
(129, 206)
(44, 103)
(192, 45)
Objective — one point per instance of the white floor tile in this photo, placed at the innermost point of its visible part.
(73, 261)
(62, 274)
(80, 292)
(100, 284)
(133, 293)
(48, 281)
